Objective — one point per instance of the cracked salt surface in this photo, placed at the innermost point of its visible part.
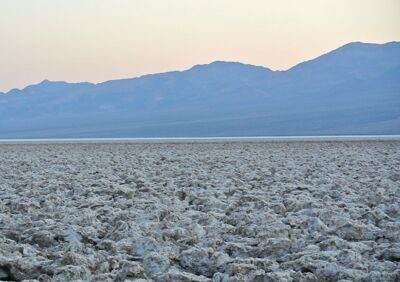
(268, 211)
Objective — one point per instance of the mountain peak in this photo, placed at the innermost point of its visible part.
(359, 46)
(46, 82)
(217, 63)
(360, 43)
(356, 58)
(226, 65)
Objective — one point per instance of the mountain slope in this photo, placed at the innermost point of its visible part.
(354, 89)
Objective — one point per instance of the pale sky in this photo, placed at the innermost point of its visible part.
(98, 40)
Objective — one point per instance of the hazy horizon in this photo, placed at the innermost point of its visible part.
(97, 41)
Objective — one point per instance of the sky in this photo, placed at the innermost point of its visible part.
(99, 40)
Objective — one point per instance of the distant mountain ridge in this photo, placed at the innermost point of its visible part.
(354, 89)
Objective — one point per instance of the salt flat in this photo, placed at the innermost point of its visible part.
(259, 211)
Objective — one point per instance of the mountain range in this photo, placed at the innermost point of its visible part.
(354, 89)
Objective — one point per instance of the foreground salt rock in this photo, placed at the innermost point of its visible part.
(278, 211)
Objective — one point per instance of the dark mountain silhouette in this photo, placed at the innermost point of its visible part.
(354, 89)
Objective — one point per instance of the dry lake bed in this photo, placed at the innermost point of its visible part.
(218, 211)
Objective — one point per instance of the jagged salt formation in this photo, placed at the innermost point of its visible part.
(318, 211)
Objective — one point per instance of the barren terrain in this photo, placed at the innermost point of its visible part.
(261, 211)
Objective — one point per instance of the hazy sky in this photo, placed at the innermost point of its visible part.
(97, 40)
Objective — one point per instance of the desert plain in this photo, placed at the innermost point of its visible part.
(203, 211)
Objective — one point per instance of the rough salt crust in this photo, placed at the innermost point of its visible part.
(268, 211)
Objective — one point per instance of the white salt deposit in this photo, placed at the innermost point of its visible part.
(281, 211)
